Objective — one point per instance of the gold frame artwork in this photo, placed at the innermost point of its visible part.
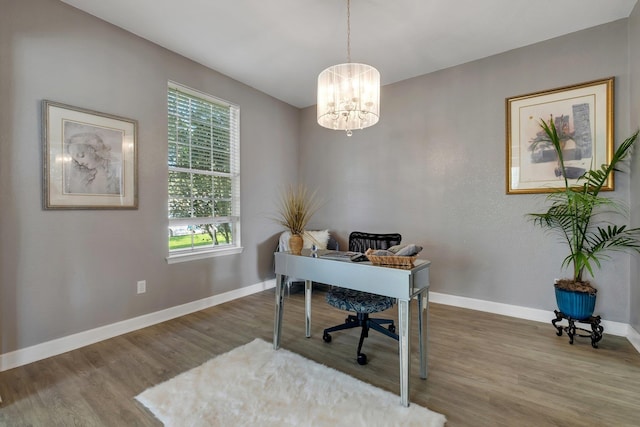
(583, 115)
(89, 159)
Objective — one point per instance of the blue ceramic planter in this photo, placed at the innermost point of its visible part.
(577, 305)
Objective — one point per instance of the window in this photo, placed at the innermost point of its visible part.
(204, 175)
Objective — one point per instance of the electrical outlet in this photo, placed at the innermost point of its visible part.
(142, 286)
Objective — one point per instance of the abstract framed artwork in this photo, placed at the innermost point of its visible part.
(583, 116)
(89, 158)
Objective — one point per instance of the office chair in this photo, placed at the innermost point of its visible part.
(363, 303)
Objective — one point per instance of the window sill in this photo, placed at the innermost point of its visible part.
(192, 256)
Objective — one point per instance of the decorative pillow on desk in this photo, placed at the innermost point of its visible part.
(406, 250)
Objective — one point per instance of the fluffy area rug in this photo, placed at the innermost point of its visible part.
(255, 385)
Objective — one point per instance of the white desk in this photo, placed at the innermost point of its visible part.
(393, 282)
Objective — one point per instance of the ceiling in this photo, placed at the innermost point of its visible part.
(280, 46)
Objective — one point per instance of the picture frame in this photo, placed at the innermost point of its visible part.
(89, 159)
(583, 115)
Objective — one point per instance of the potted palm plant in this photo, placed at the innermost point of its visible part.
(297, 206)
(583, 219)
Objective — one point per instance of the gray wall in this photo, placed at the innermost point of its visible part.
(634, 68)
(63, 272)
(433, 169)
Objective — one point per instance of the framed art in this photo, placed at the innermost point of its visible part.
(583, 116)
(89, 159)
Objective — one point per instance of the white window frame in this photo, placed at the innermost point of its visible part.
(235, 247)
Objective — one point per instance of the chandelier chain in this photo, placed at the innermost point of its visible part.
(348, 31)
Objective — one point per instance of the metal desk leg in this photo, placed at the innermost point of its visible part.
(308, 286)
(277, 324)
(404, 322)
(423, 331)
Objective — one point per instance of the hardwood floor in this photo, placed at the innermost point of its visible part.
(484, 369)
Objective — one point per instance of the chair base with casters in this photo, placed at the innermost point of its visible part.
(363, 304)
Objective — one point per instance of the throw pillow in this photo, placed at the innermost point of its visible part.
(320, 238)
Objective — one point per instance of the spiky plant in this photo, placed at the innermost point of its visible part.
(297, 206)
(582, 217)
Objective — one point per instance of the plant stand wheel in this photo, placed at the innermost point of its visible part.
(595, 333)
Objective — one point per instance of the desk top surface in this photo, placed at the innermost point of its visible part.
(362, 276)
(306, 253)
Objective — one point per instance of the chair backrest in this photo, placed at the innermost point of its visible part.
(360, 242)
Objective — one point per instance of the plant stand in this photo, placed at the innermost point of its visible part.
(572, 330)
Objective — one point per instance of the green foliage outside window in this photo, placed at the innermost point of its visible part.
(200, 159)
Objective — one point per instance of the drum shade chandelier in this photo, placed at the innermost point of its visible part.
(349, 94)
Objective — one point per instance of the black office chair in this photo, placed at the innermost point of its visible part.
(363, 303)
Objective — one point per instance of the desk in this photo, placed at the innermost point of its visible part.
(364, 276)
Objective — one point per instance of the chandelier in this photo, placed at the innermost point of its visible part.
(349, 94)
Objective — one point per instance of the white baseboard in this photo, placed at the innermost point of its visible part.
(634, 338)
(613, 328)
(62, 345)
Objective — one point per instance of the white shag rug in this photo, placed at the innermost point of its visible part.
(255, 385)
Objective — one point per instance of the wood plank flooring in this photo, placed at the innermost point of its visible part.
(484, 369)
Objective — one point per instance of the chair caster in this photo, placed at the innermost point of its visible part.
(392, 329)
(326, 337)
(362, 359)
